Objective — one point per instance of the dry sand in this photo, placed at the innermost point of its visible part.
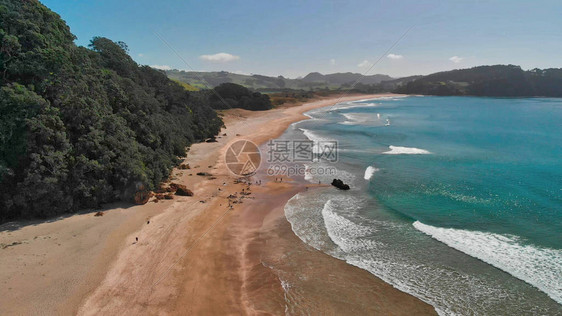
(196, 256)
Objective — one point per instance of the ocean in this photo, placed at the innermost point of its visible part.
(455, 200)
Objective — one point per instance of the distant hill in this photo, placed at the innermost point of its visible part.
(383, 86)
(311, 81)
(345, 78)
(497, 80)
(186, 86)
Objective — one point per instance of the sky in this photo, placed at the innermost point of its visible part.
(294, 38)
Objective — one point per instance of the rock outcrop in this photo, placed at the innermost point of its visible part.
(141, 197)
(181, 189)
(340, 185)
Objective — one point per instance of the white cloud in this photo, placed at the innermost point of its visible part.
(220, 57)
(394, 56)
(332, 61)
(365, 64)
(241, 72)
(456, 59)
(161, 67)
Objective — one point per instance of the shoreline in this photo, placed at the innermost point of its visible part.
(164, 272)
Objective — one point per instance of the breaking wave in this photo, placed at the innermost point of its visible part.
(398, 150)
(540, 267)
(369, 172)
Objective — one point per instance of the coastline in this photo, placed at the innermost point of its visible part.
(194, 257)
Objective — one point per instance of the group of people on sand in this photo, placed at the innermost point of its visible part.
(233, 198)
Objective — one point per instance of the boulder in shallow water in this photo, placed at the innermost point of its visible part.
(340, 185)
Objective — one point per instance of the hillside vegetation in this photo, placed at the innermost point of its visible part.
(186, 86)
(83, 126)
(497, 80)
(230, 95)
(312, 81)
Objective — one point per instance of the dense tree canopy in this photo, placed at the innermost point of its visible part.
(498, 80)
(83, 126)
(231, 95)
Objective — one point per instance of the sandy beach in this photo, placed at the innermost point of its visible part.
(194, 255)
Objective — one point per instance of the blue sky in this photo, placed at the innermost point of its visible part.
(293, 38)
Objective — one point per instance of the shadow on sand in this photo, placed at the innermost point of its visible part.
(18, 224)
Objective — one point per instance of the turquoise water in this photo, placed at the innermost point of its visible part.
(458, 201)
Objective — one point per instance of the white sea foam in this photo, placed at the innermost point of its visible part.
(316, 139)
(365, 102)
(352, 105)
(394, 98)
(312, 116)
(345, 233)
(356, 118)
(369, 172)
(308, 176)
(538, 266)
(293, 125)
(398, 150)
(336, 227)
(313, 136)
(349, 116)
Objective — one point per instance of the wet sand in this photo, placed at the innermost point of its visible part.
(197, 255)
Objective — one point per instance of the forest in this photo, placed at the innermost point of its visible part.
(495, 81)
(82, 126)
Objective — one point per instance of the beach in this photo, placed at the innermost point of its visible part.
(194, 255)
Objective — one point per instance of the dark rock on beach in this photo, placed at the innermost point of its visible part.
(181, 189)
(142, 197)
